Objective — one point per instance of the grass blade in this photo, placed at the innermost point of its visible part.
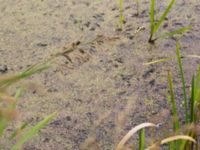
(171, 139)
(159, 61)
(177, 137)
(162, 18)
(121, 17)
(7, 99)
(7, 115)
(33, 131)
(170, 58)
(132, 132)
(3, 125)
(18, 131)
(196, 90)
(192, 110)
(17, 95)
(152, 19)
(7, 81)
(193, 56)
(192, 101)
(172, 33)
(142, 139)
(183, 81)
(174, 108)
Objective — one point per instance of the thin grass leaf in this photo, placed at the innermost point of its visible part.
(168, 99)
(182, 80)
(170, 58)
(172, 33)
(33, 131)
(192, 101)
(193, 56)
(142, 139)
(3, 125)
(177, 137)
(152, 19)
(159, 61)
(7, 115)
(197, 88)
(121, 17)
(195, 95)
(174, 108)
(162, 18)
(171, 146)
(132, 132)
(7, 99)
(18, 131)
(186, 145)
(7, 81)
(17, 95)
(171, 139)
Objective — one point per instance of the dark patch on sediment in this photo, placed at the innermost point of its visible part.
(3, 69)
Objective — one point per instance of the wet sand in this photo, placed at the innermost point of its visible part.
(104, 90)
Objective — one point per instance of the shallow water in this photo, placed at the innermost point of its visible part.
(106, 89)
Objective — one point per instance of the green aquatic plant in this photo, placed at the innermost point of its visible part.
(9, 111)
(155, 25)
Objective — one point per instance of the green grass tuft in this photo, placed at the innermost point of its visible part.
(183, 81)
(154, 26)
